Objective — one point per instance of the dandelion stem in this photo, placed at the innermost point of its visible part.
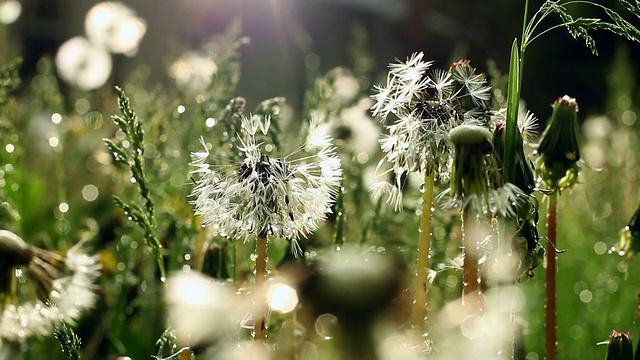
(551, 327)
(470, 270)
(260, 321)
(424, 246)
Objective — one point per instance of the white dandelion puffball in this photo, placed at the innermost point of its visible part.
(82, 64)
(9, 11)
(114, 26)
(68, 283)
(199, 308)
(264, 195)
(423, 106)
(193, 71)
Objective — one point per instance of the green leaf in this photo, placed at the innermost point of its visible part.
(513, 99)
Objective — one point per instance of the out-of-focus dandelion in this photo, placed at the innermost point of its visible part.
(353, 129)
(40, 288)
(83, 64)
(10, 11)
(193, 71)
(201, 310)
(358, 288)
(115, 27)
(264, 195)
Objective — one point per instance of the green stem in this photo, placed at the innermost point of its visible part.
(160, 260)
(471, 294)
(424, 247)
(260, 320)
(551, 325)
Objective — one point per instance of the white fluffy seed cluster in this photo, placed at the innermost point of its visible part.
(264, 195)
(425, 107)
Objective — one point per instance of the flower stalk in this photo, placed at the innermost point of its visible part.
(551, 326)
(471, 293)
(424, 246)
(260, 319)
(557, 169)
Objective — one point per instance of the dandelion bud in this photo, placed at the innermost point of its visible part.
(629, 241)
(468, 175)
(558, 150)
(620, 347)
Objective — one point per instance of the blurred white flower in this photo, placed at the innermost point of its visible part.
(193, 71)
(114, 26)
(201, 309)
(83, 64)
(9, 11)
(55, 287)
(265, 195)
(346, 87)
(354, 129)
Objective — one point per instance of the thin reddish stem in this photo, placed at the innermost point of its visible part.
(551, 325)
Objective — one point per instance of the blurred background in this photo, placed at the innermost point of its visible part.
(289, 38)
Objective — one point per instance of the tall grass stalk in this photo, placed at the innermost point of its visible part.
(424, 247)
(551, 326)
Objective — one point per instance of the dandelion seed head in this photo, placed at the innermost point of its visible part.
(264, 195)
(83, 64)
(426, 106)
(114, 26)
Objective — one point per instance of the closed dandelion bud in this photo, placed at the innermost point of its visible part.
(620, 347)
(468, 175)
(629, 241)
(557, 165)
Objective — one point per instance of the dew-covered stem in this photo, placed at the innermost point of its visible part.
(551, 326)
(260, 320)
(141, 212)
(424, 247)
(470, 272)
